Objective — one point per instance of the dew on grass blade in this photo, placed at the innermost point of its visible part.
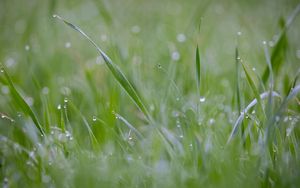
(181, 37)
(58, 107)
(175, 56)
(202, 99)
(94, 118)
(45, 91)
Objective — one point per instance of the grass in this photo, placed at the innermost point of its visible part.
(161, 105)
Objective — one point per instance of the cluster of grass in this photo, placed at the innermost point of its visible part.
(179, 95)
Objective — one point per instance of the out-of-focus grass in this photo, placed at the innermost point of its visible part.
(92, 133)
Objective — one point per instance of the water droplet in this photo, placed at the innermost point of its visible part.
(27, 47)
(178, 125)
(94, 118)
(181, 136)
(99, 60)
(239, 33)
(264, 42)
(211, 121)
(175, 56)
(1, 70)
(67, 45)
(159, 66)
(59, 107)
(29, 101)
(65, 100)
(247, 117)
(152, 107)
(202, 99)
(253, 112)
(130, 138)
(45, 90)
(103, 37)
(135, 29)
(175, 113)
(177, 99)
(181, 37)
(54, 16)
(10, 62)
(254, 69)
(191, 145)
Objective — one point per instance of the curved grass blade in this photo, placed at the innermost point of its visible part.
(245, 111)
(21, 102)
(115, 70)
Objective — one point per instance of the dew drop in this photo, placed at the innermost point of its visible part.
(175, 56)
(27, 47)
(202, 99)
(94, 118)
(67, 45)
(1, 70)
(152, 107)
(59, 107)
(103, 37)
(264, 42)
(181, 136)
(211, 121)
(65, 100)
(254, 69)
(181, 37)
(45, 90)
(239, 33)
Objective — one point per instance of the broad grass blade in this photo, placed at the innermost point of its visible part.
(21, 102)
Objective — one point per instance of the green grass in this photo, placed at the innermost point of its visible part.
(161, 104)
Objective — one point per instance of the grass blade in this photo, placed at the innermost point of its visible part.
(21, 102)
(278, 52)
(198, 69)
(245, 111)
(115, 70)
(252, 80)
(270, 128)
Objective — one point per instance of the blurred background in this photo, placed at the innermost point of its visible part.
(44, 57)
(67, 85)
